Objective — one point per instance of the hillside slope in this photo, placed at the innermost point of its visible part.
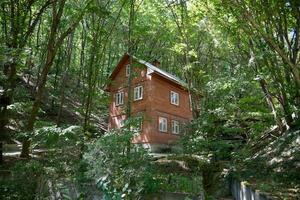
(274, 167)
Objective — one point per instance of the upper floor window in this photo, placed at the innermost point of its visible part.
(119, 98)
(174, 97)
(138, 93)
(162, 124)
(127, 70)
(175, 127)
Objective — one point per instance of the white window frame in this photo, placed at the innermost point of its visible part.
(174, 98)
(119, 98)
(175, 127)
(127, 70)
(138, 93)
(163, 124)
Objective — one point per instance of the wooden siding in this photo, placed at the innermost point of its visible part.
(155, 103)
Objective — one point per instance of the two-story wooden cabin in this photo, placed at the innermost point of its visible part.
(159, 97)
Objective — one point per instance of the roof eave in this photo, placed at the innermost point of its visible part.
(152, 68)
(184, 86)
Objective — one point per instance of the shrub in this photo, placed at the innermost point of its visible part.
(26, 177)
(121, 170)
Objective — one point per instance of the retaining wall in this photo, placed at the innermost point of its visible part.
(240, 191)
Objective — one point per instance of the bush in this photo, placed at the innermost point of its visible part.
(121, 170)
(26, 177)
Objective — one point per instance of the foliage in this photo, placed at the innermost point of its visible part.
(240, 60)
(25, 181)
(209, 138)
(176, 182)
(121, 170)
(275, 158)
(53, 136)
(270, 165)
(64, 146)
(59, 162)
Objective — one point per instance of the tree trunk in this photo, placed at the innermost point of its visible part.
(6, 99)
(25, 148)
(51, 52)
(90, 80)
(64, 79)
(82, 55)
(38, 100)
(93, 71)
(54, 43)
(1, 152)
(269, 98)
(58, 62)
(17, 29)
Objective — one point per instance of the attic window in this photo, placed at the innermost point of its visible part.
(127, 70)
(174, 98)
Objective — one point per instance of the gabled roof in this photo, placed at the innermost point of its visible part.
(154, 69)
(151, 69)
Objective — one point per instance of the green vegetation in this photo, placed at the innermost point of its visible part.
(240, 60)
(121, 170)
(24, 181)
(273, 168)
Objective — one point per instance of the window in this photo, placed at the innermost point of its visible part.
(163, 124)
(138, 93)
(174, 97)
(119, 98)
(127, 70)
(175, 127)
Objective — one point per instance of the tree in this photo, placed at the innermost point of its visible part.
(18, 23)
(54, 42)
(277, 23)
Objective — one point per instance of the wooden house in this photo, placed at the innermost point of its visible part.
(159, 97)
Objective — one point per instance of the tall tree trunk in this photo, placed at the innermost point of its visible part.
(1, 152)
(51, 52)
(64, 79)
(10, 71)
(17, 30)
(38, 99)
(54, 43)
(130, 52)
(56, 76)
(281, 87)
(91, 74)
(82, 55)
(6, 99)
(269, 98)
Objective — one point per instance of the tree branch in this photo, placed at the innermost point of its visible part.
(72, 27)
(36, 20)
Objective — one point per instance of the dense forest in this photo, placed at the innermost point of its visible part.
(239, 58)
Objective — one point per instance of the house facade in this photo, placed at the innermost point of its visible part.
(161, 99)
